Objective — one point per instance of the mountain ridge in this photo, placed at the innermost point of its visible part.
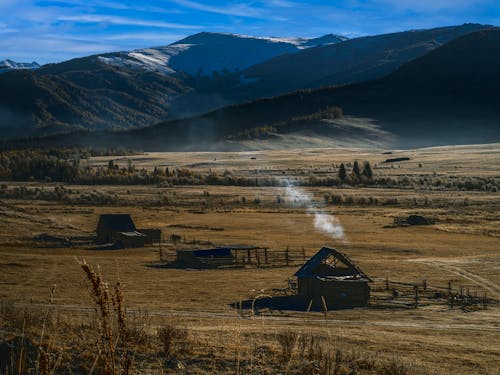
(409, 104)
(87, 93)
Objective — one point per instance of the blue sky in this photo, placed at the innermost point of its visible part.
(56, 30)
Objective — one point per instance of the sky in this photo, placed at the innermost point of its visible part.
(56, 30)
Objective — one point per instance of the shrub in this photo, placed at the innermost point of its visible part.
(174, 340)
(287, 341)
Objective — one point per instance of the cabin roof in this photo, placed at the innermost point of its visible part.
(215, 252)
(309, 269)
(118, 222)
(134, 234)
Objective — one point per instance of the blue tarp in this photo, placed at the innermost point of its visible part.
(218, 252)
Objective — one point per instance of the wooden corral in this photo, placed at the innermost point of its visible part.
(232, 256)
(330, 280)
(390, 293)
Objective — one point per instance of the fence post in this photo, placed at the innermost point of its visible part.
(387, 283)
(286, 256)
(258, 258)
(416, 295)
(265, 255)
(249, 257)
(424, 285)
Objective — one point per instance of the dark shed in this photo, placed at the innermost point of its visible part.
(205, 258)
(331, 276)
(110, 225)
(152, 235)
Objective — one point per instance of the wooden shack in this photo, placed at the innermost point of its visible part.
(127, 240)
(331, 276)
(152, 235)
(109, 225)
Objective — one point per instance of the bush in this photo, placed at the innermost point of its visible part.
(287, 341)
(174, 340)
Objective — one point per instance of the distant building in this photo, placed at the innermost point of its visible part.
(331, 276)
(110, 225)
(152, 235)
(205, 258)
(120, 230)
(128, 240)
(224, 256)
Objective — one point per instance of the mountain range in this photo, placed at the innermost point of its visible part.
(411, 88)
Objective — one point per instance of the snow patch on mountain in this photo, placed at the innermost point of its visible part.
(206, 53)
(148, 59)
(8, 65)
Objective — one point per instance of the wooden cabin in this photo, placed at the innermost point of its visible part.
(127, 240)
(152, 235)
(331, 276)
(109, 225)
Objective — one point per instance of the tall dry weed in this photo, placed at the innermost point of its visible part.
(111, 323)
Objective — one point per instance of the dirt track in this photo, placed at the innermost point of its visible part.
(476, 279)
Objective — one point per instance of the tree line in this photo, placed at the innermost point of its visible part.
(72, 165)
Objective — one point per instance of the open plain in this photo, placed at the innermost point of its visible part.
(461, 247)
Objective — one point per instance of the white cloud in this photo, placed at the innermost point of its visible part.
(41, 48)
(239, 9)
(431, 5)
(101, 18)
(281, 3)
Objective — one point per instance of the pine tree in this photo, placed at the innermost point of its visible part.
(367, 170)
(356, 171)
(342, 172)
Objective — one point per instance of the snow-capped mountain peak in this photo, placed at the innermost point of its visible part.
(205, 53)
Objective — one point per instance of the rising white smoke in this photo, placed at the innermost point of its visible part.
(328, 224)
(323, 222)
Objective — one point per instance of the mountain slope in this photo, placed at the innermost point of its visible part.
(206, 53)
(97, 92)
(448, 96)
(355, 60)
(126, 90)
(82, 94)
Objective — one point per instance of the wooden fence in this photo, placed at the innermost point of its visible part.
(465, 297)
(242, 257)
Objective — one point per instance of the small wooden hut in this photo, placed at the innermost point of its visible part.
(109, 225)
(331, 276)
(152, 235)
(127, 240)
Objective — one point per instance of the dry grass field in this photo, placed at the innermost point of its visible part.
(463, 247)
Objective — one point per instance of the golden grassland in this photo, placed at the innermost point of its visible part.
(462, 247)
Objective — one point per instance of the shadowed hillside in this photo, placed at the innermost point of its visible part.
(355, 60)
(198, 74)
(448, 96)
(83, 93)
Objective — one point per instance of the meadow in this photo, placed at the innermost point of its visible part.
(185, 320)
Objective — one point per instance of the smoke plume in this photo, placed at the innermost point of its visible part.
(323, 222)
